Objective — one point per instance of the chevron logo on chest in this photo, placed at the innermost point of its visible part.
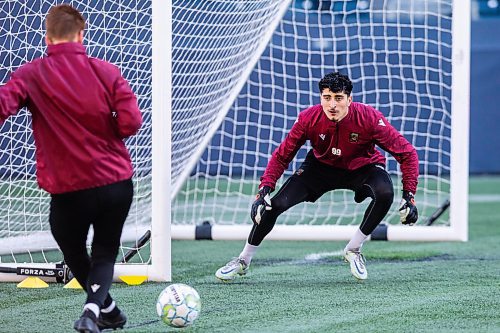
(322, 136)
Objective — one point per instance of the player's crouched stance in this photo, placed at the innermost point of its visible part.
(343, 135)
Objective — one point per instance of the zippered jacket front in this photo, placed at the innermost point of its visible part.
(348, 144)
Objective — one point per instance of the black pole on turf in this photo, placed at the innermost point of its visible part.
(438, 213)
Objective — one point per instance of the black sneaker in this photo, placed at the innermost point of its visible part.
(87, 323)
(107, 320)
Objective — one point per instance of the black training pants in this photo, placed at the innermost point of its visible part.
(313, 179)
(71, 214)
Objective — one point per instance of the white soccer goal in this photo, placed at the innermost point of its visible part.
(407, 58)
(220, 83)
(127, 34)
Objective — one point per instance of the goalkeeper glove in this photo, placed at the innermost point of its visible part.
(408, 211)
(261, 204)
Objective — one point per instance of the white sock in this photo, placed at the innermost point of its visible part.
(356, 241)
(92, 307)
(248, 253)
(109, 308)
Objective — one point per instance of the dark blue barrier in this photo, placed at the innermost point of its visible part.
(484, 112)
(485, 81)
(413, 85)
(484, 97)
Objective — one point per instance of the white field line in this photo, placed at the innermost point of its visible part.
(311, 258)
(321, 255)
(486, 198)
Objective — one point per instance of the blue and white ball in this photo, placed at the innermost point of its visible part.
(178, 305)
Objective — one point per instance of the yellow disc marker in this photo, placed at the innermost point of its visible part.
(32, 282)
(133, 280)
(73, 284)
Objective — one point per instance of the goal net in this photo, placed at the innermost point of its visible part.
(238, 72)
(408, 59)
(116, 31)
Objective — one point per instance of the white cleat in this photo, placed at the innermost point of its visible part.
(357, 262)
(235, 267)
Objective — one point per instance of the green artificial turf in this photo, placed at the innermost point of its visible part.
(412, 286)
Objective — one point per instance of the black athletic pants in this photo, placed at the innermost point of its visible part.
(313, 179)
(71, 214)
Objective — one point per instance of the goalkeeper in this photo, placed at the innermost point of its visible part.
(343, 135)
(82, 109)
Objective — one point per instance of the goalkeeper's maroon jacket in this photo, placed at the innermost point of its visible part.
(347, 144)
(82, 109)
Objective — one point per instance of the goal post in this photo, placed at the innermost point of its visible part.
(459, 177)
(161, 184)
(409, 59)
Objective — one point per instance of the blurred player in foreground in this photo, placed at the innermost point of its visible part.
(343, 135)
(82, 109)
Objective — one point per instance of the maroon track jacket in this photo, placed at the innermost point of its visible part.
(348, 144)
(82, 109)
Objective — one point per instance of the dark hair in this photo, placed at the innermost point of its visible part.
(336, 82)
(63, 22)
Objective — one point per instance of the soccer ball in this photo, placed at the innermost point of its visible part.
(178, 305)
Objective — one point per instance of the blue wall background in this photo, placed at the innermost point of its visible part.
(484, 97)
(484, 157)
(485, 89)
